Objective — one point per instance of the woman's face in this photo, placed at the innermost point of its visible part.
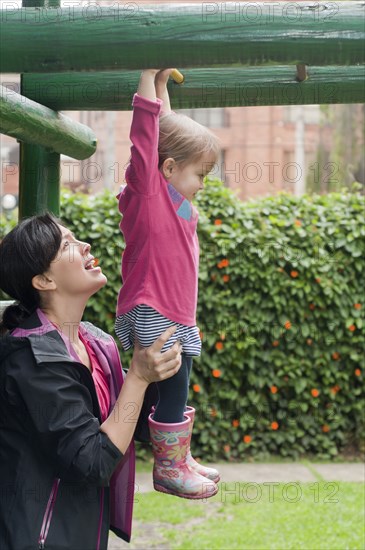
(73, 271)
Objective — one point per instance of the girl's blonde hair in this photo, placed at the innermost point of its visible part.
(185, 140)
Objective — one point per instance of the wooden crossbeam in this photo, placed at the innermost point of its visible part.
(202, 88)
(208, 34)
(33, 123)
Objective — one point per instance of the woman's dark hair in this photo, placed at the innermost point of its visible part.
(26, 251)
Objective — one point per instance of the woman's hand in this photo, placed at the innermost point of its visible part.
(150, 365)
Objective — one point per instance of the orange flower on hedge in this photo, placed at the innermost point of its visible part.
(317, 279)
(358, 372)
(274, 389)
(201, 334)
(335, 355)
(219, 346)
(314, 392)
(213, 412)
(226, 278)
(309, 341)
(357, 306)
(196, 388)
(223, 263)
(352, 328)
(96, 262)
(235, 423)
(217, 222)
(312, 306)
(216, 373)
(325, 428)
(294, 274)
(274, 425)
(287, 325)
(298, 223)
(335, 389)
(275, 343)
(226, 448)
(247, 439)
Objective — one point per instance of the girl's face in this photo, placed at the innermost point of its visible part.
(189, 179)
(73, 272)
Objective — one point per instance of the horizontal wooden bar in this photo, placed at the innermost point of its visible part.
(31, 122)
(207, 34)
(202, 88)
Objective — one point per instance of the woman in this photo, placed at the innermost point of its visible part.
(67, 416)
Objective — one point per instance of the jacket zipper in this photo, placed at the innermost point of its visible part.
(48, 515)
(100, 517)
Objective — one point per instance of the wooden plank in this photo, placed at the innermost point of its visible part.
(31, 122)
(202, 88)
(208, 34)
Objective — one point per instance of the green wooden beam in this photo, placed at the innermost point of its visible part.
(39, 167)
(230, 87)
(31, 122)
(208, 34)
(39, 180)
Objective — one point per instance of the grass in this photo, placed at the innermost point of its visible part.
(258, 516)
(144, 466)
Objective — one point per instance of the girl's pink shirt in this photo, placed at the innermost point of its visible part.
(161, 260)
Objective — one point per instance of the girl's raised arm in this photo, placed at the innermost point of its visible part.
(162, 93)
(142, 172)
(146, 87)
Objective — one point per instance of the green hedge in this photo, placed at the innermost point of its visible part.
(281, 304)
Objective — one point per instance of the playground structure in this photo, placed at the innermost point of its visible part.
(231, 54)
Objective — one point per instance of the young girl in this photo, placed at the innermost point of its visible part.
(170, 156)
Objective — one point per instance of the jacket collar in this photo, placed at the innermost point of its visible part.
(48, 344)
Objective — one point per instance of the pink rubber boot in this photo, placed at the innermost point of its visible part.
(171, 473)
(209, 473)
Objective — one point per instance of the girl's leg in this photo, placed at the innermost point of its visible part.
(170, 430)
(173, 394)
(189, 363)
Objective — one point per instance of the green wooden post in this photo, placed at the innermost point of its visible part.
(39, 185)
(226, 87)
(39, 168)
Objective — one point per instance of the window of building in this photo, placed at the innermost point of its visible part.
(310, 113)
(218, 169)
(211, 118)
(289, 171)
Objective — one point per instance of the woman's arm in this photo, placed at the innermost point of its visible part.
(58, 410)
(148, 365)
